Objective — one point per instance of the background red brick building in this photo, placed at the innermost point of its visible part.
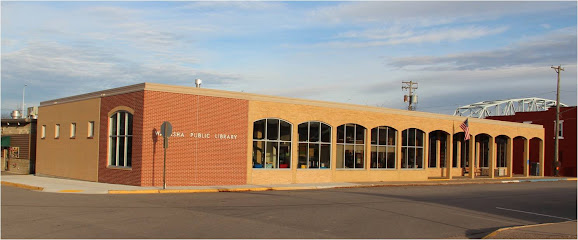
(567, 142)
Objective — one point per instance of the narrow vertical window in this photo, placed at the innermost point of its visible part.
(43, 132)
(57, 131)
(72, 130)
(90, 129)
(120, 139)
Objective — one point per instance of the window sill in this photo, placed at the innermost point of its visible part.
(119, 168)
(413, 169)
(383, 169)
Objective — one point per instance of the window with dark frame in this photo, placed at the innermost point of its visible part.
(350, 146)
(383, 147)
(271, 144)
(412, 148)
(314, 145)
(120, 139)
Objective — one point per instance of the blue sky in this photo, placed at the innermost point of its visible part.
(351, 52)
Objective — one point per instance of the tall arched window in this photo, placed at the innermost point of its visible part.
(383, 141)
(271, 144)
(350, 146)
(120, 139)
(412, 148)
(314, 145)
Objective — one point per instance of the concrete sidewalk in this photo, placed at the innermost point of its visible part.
(59, 185)
(562, 230)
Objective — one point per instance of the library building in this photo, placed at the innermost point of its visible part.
(234, 138)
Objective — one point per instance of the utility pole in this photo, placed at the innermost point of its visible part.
(556, 163)
(411, 98)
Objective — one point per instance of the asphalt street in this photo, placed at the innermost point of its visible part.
(455, 211)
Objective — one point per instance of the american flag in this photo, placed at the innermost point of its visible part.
(466, 129)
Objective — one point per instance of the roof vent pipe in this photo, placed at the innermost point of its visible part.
(198, 82)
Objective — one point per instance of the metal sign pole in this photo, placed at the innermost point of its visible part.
(165, 166)
(166, 130)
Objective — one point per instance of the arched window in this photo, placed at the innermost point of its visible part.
(120, 139)
(383, 141)
(271, 144)
(412, 148)
(350, 146)
(314, 145)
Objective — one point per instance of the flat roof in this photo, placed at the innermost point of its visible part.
(266, 98)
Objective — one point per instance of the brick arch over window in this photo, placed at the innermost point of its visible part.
(120, 108)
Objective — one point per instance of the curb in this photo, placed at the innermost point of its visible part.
(19, 185)
(434, 182)
(494, 233)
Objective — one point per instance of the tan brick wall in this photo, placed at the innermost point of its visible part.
(370, 118)
(67, 157)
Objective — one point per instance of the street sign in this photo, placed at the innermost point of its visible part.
(166, 131)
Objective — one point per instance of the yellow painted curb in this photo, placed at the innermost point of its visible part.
(292, 188)
(187, 190)
(517, 227)
(70, 190)
(132, 191)
(571, 179)
(19, 185)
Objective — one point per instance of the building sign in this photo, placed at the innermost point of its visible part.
(222, 136)
(14, 152)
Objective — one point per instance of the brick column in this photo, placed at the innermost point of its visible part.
(492, 157)
(510, 156)
(526, 157)
(449, 157)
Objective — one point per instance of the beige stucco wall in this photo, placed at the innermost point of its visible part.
(369, 117)
(68, 157)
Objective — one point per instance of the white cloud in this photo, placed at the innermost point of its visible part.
(394, 36)
(428, 13)
(552, 48)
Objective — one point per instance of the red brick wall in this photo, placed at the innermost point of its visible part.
(194, 161)
(110, 175)
(567, 148)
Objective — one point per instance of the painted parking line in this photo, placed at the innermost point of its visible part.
(513, 210)
(70, 191)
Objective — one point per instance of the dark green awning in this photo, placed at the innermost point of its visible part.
(6, 141)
